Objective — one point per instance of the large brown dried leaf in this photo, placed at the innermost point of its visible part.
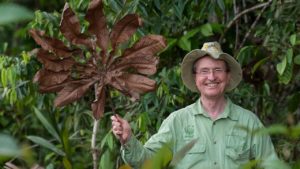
(86, 71)
(138, 83)
(50, 81)
(146, 46)
(50, 89)
(48, 78)
(133, 85)
(124, 29)
(143, 64)
(102, 68)
(52, 62)
(73, 91)
(120, 85)
(44, 54)
(50, 44)
(99, 105)
(98, 25)
(70, 28)
(146, 69)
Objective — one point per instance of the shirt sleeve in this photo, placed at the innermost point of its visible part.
(135, 153)
(264, 150)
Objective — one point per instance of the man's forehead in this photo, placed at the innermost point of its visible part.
(203, 60)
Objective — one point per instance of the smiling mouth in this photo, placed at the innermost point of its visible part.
(212, 84)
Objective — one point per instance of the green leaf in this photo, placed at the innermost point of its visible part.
(12, 96)
(184, 44)
(276, 164)
(245, 55)
(160, 160)
(110, 141)
(289, 55)
(9, 75)
(274, 129)
(106, 161)
(65, 135)
(67, 163)
(46, 124)
(182, 152)
(221, 5)
(297, 60)
(280, 67)
(293, 39)
(171, 43)
(259, 63)
(143, 121)
(45, 143)
(10, 12)
(251, 164)
(191, 33)
(286, 77)
(8, 146)
(206, 30)
(125, 166)
(4, 77)
(293, 102)
(295, 132)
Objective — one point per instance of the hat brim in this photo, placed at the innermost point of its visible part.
(188, 63)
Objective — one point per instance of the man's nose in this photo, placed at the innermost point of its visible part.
(211, 75)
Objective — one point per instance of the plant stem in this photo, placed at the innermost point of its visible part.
(93, 144)
(237, 16)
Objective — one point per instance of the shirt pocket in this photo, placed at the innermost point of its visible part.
(236, 149)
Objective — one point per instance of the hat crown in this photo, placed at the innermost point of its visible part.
(213, 48)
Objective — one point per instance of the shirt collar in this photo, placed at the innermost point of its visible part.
(228, 111)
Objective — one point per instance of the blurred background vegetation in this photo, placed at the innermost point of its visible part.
(264, 36)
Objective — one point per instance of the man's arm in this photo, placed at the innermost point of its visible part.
(133, 151)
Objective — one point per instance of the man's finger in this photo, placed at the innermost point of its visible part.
(118, 118)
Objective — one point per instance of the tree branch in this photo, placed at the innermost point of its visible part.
(246, 11)
(254, 23)
(241, 14)
(236, 25)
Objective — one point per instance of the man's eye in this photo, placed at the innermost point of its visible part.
(204, 71)
(218, 70)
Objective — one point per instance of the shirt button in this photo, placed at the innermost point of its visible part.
(215, 142)
(215, 163)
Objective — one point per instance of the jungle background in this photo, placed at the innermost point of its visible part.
(264, 36)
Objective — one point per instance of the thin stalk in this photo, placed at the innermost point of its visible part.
(93, 144)
(95, 151)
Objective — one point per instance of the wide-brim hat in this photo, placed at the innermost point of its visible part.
(212, 49)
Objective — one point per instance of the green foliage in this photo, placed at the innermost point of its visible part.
(8, 147)
(60, 138)
(160, 160)
(11, 13)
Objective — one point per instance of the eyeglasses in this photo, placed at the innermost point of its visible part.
(207, 71)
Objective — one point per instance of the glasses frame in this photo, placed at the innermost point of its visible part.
(208, 71)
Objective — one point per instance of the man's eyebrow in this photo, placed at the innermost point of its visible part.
(217, 67)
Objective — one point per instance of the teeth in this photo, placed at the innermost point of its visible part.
(212, 84)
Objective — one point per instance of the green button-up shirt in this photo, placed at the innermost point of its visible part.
(224, 143)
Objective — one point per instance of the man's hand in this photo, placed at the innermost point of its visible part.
(120, 128)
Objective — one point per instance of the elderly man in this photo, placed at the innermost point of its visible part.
(217, 123)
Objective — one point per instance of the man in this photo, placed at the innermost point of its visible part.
(223, 129)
